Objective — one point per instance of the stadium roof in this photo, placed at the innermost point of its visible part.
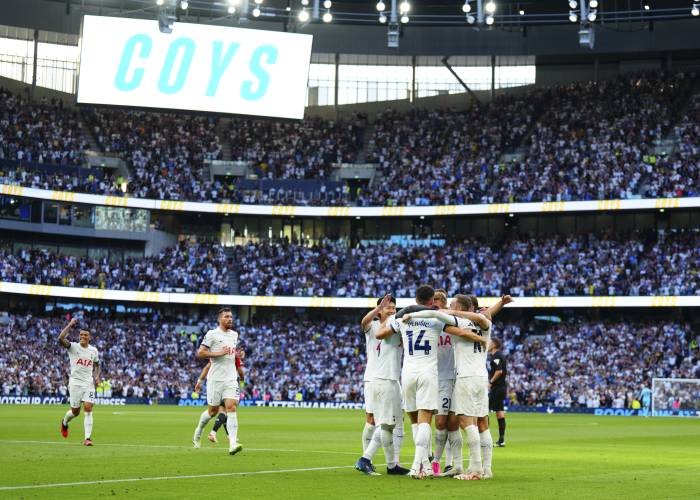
(427, 12)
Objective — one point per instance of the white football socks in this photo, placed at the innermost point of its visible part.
(204, 419)
(398, 441)
(486, 448)
(374, 444)
(414, 431)
(367, 434)
(68, 417)
(87, 422)
(440, 442)
(423, 438)
(232, 428)
(474, 444)
(454, 438)
(448, 453)
(388, 445)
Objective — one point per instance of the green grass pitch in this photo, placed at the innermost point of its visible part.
(298, 453)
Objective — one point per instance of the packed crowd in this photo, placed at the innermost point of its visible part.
(443, 157)
(322, 360)
(649, 263)
(297, 150)
(191, 267)
(581, 362)
(41, 132)
(288, 268)
(595, 364)
(165, 152)
(582, 141)
(662, 263)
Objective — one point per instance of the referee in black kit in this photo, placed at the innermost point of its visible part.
(497, 387)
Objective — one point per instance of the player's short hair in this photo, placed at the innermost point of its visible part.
(496, 343)
(440, 295)
(85, 330)
(474, 300)
(464, 301)
(441, 290)
(223, 310)
(392, 299)
(424, 293)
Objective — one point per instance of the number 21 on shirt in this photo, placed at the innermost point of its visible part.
(419, 344)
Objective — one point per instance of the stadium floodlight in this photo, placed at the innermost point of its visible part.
(235, 3)
(573, 4)
(159, 2)
(490, 7)
(258, 2)
(231, 9)
(647, 6)
(521, 12)
(489, 20)
(695, 11)
(381, 6)
(471, 19)
(592, 16)
(327, 16)
(405, 7)
(184, 5)
(593, 4)
(327, 4)
(382, 18)
(404, 19)
(305, 2)
(573, 17)
(303, 15)
(466, 8)
(256, 12)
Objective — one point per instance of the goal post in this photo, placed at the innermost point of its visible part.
(675, 397)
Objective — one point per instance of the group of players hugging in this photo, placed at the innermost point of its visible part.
(444, 351)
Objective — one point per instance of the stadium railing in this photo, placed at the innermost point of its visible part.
(330, 211)
(341, 302)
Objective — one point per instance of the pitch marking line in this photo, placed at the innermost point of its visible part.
(166, 478)
(129, 445)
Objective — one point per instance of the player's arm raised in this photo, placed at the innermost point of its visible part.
(64, 333)
(465, 334)
(205, 371)
(367, 320)
(496, 308)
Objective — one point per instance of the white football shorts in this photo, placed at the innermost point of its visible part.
(471, 397)
(218, 390)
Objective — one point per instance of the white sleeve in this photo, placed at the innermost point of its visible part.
(395, 326)
(207, 341)
(72, 347)
(448, 319)
(97, 356)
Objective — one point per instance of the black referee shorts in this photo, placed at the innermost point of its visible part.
(496, 397)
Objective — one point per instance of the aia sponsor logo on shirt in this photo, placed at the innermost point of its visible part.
(444, 341)
(83, 362)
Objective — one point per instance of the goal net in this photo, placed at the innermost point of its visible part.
(675, 397)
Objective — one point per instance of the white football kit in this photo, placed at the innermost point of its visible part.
(222, 379)
(446, 372)
(385, 386)
(371, 344)
(471, 396)
(420, 339)
(81, 384)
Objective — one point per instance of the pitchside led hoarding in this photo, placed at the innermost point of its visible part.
(129, 62)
